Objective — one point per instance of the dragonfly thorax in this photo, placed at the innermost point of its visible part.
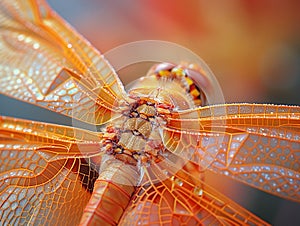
(134, 138)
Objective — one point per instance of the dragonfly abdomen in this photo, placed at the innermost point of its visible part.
(112, 192)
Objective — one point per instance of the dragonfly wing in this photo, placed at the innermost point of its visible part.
(46, 174)
(182, 199)
(45, 62)
(254, 143)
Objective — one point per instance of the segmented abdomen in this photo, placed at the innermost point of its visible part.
(112, 192)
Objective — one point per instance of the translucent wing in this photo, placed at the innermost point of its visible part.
(45, 62)
(253, 143)
(46, 172)
(182, 199)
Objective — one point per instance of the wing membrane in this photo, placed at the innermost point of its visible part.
(32, 131)
(256, 144)
(46, 172)
(45, 62)
(182, 199)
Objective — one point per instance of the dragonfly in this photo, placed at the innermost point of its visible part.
(146, 163)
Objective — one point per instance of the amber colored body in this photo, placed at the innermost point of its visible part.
(134, 139)
(146, 165)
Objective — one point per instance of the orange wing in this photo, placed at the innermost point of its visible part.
(254, 143)
(46, 172)
(182, 199)
(46, 63)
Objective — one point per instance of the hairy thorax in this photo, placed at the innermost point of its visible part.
(134, 137)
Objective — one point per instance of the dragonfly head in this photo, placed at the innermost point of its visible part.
(190, 76)
(173, 85)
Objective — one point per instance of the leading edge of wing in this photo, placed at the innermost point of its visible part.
(75, 141)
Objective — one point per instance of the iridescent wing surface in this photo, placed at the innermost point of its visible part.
(47, 63)
(256, 144)
(46, 172)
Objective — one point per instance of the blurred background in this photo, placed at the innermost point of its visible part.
(253, 48)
